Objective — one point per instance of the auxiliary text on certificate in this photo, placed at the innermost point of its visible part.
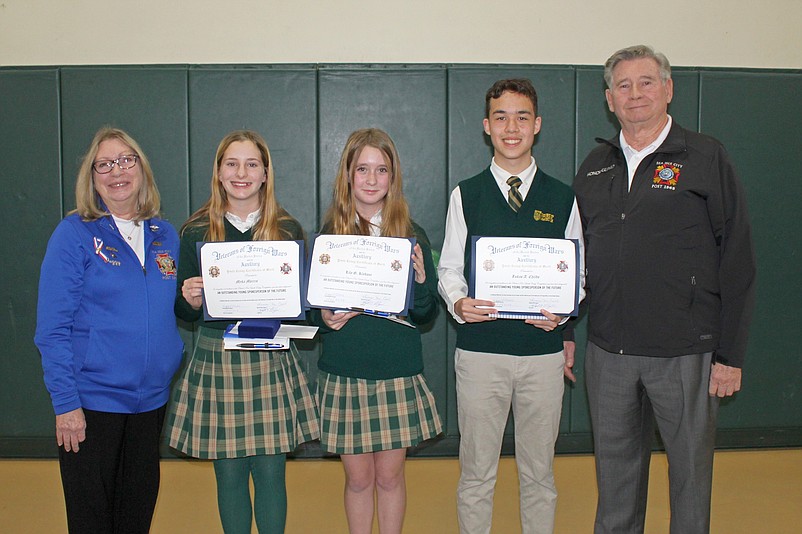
(361, 273)
(525, 275)
(252, 279)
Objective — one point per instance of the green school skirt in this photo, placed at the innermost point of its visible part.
(359, 416)
(231, 404)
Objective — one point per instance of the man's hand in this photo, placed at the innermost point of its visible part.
(468, 311)
(548, 324)
(569, 348)
(724, 380)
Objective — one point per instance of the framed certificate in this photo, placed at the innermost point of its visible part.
(523, 275)
(252, 279)
(361, 273)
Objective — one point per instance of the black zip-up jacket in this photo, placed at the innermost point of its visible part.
(670, 263)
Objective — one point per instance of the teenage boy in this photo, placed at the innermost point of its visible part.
(507, 363)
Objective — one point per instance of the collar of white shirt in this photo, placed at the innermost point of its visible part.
(634, 157)
(375, 224)
(247, 224)
(526, 176)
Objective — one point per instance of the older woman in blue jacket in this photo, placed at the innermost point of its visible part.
(108, 337)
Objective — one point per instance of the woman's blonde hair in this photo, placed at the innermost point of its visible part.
(214, 210)
(342, 216)
(88, 203)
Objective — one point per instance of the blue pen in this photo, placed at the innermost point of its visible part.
(373, 312)
(259, 345)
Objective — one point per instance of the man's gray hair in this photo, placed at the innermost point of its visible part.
(636, 52)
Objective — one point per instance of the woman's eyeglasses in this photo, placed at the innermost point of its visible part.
(104, 166)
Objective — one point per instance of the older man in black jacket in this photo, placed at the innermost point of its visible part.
(670, 282)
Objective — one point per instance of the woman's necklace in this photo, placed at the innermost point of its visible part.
(133, 233)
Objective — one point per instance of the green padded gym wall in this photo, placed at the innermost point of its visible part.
(434, 113)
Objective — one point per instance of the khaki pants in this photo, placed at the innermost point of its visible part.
(487, 386)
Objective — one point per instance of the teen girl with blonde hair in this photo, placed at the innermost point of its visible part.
(243, 409)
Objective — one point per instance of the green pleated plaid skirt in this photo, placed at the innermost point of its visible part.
(231, 404)
(359, 416)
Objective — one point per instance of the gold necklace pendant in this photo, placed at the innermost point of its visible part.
(128, 235)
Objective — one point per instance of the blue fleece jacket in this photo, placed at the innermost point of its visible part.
(105, 324)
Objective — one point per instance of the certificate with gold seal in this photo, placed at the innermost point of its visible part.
(252, 279)
(361, 273)
(523, 275)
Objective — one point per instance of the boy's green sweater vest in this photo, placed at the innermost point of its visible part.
(544, 213)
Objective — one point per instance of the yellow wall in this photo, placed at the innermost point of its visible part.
(730, 33)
